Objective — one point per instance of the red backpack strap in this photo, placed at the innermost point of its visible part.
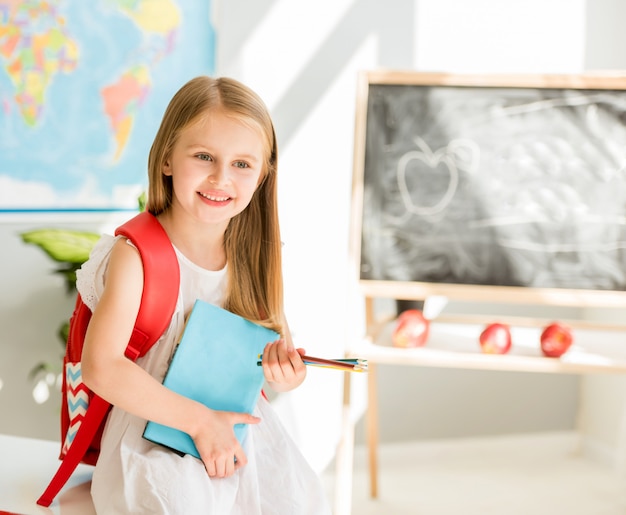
(161, 281)
(94, 416)
(158, 302)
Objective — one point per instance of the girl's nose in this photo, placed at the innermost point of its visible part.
(218, 176)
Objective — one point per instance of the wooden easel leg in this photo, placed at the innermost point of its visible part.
(372, 428)
(344, 460)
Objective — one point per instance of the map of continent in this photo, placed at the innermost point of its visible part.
(32, 57)
(83, 86)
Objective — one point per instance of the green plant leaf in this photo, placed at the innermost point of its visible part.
(68, 272)
(63, 246)
(141, 201)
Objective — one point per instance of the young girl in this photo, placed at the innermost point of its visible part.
(212, 171)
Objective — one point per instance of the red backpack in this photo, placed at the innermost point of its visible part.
(84, 413)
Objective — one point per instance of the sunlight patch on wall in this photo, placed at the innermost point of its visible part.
(317, 315)
(292, 32)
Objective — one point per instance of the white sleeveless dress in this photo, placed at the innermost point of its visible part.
(134, 476)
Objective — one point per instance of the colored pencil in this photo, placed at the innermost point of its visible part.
(345, 364)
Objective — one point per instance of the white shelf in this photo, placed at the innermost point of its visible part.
(456, 346)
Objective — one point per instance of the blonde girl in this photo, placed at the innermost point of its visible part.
(212, 186)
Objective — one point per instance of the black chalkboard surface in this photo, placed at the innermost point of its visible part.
(491, 183)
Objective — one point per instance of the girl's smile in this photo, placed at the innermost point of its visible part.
(211, 198)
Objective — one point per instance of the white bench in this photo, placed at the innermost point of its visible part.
(27, 466)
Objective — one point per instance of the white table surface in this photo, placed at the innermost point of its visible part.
(27, 466)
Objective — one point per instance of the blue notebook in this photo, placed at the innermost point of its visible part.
(215, 363)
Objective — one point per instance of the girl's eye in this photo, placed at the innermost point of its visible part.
(204, 157)
(241, 164)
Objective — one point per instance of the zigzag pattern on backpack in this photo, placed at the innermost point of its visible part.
(77, 402)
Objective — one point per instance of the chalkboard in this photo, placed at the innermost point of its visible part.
(491, 181)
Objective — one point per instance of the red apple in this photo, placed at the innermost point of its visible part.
(556, 339)
(411, 329)
(495, 339)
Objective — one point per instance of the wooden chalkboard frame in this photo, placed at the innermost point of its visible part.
(416, 290)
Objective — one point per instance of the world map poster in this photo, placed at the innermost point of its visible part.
(83, 88)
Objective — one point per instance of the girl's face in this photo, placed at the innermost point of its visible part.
(216, 167)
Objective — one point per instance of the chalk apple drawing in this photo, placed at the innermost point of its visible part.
(446, 157)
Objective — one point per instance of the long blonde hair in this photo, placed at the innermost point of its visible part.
(252, 240)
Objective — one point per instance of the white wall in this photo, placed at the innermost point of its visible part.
(302, 57)
(602, 417)
(478, 36)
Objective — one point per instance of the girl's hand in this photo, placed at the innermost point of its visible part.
(283, 367)
(217, 444)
